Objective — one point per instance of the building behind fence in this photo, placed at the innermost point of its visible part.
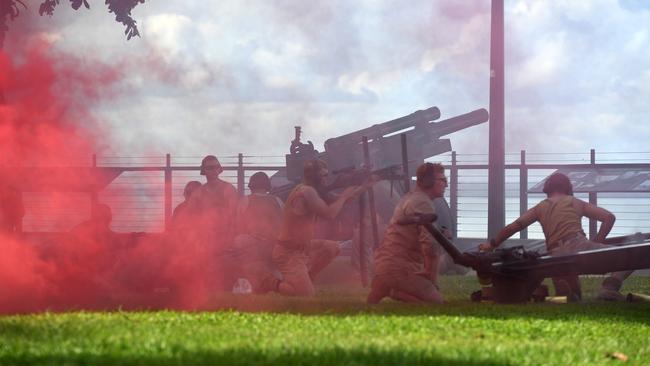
(144, 195)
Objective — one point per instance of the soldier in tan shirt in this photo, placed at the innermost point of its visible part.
(297, 255)
(406, 263)
(211, 210)
(214, 205)
(259, 217)
(560, 215)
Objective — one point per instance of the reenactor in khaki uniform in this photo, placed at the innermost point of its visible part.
(560, 215)
(406, 262)
(214, 204)
(259, 217)
(297, 255)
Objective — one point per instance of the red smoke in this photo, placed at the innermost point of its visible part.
(48, 96)
(46, 119)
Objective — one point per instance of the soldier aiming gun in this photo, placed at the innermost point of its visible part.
(299, 256)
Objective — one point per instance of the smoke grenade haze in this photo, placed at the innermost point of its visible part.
(47, 119)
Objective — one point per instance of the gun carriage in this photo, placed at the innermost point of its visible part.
(516, 272)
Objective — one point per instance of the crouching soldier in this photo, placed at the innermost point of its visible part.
(299, 256)
(406, 262)
(259, 217)
(560, 215)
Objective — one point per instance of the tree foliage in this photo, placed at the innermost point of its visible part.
(10, 9)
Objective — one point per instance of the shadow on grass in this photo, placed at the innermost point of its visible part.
(253, 357)
(345, 302)
(634, 313)
(337, 302)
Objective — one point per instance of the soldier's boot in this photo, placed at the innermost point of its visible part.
(568, 286)
(540, 293)
(634, 297)
(610, 290)
(486, 293)
(270, 283)
(378, 290)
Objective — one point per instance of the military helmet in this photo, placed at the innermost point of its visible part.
(259, 180)
(205, 163)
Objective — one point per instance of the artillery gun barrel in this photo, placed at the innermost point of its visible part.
(423, 139)
(427, 220)
(381, 129)
(454, 124)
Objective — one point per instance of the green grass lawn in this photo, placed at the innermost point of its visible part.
(337, 328)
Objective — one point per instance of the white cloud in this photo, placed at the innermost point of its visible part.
(548, 58)
(168, 33)
(608, 122)
(282, 68)
(638, 42)
(577, 71)
(377, 82)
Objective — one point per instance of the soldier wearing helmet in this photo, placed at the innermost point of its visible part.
(213, 205)
(97, 231)
(259, 217)
(259, 213)
(215, 200)
(180, 218)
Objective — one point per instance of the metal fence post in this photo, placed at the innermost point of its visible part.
(240, 174)
(453, 194)
(93, 193)
(168, 191)
(593, 199)
(405, 164)
(371, 200)
(523, 191)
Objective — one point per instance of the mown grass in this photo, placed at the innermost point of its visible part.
(337, 328)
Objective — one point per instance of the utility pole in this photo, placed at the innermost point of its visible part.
(496, 170)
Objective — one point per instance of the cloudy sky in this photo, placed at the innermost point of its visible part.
(236, 76)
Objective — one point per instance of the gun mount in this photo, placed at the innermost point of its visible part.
(351, 176)
(516, 272)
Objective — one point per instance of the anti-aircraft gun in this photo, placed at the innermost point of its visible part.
(516, 272)
(384, 146)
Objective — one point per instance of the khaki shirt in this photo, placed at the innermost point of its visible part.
(298, 221)
(213, 208)
(404, 246)
(559, 219)
(260, 215)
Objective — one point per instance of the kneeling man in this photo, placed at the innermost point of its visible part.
(406, 263)
(297, 255)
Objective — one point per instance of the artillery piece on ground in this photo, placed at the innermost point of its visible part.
(388, 151)
(516, 272)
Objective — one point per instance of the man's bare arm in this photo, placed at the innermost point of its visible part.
(521, 223)
(606, 218)
(322, 209)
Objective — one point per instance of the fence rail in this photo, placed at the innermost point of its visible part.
(144, 195)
